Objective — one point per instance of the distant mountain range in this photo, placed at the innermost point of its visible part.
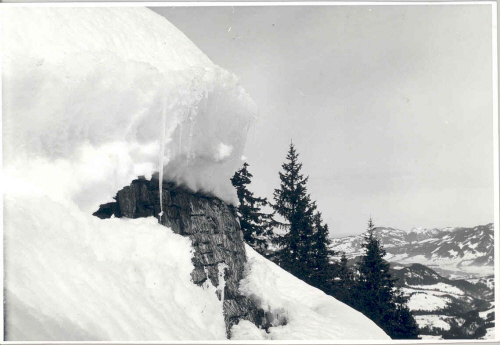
(447, 274)
(453, 252)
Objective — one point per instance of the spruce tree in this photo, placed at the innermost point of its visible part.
(294, 204)
(400, 322)
(255, 224)
(321, 270)
(344, 273)
(374, 283)
(376, 294)
(343, 281)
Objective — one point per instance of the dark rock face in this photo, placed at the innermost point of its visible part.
(213, 228)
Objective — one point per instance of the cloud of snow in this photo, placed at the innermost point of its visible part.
(84, 90)
(223, 152)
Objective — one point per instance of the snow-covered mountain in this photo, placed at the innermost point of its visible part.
(451, 251)
(429, 264)
(420, 234)
(351, 245)
(468, 250)
(92, 98)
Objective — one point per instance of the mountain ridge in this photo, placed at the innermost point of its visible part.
(455, 252)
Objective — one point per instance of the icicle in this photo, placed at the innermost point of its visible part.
(217, 102)
(206, 100)
(222, 280)
(180, 139)
(190, 139)
(183, 118)
(162, 154)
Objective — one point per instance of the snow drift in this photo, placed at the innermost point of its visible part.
(85, 90)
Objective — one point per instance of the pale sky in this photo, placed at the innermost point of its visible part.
(390, 107)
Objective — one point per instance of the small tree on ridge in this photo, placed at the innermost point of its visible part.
(255, 224)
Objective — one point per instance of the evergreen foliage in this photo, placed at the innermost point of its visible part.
(376, 295)
(342, 283)
(255, 224)
(374, 284)
(474, 327)
(320, 270)
(345, 273)
(293, 203)
(400, 322)
(303, 249)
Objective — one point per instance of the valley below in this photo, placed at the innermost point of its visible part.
(446, 274)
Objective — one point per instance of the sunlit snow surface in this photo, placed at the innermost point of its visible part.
(310, 313)
(423, 301)
(83, 97)
(438, 321)
(72, 276)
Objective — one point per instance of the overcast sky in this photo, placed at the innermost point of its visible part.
(390, 107)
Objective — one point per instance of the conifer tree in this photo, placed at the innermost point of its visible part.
(255, 224)
(343, 281)
(321, 270)
(375, 283)
(344, 273)
(376, 294)
(294, 204)
(400, 322)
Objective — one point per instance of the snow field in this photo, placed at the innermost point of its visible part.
(432, 321)
(310, 313)
(447, 288)
(424, 301)
(71, 276)
(484, 314)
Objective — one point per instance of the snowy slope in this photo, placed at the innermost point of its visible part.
(424, 301)
(72, 276)
(310, 314)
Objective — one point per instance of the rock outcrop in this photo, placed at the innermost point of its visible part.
(213, 228)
